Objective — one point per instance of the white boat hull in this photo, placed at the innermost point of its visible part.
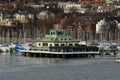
(48, 52)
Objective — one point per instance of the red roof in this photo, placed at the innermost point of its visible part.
(93, 1)
(6, 5)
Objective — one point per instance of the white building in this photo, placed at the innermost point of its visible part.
(4, 21)
(99, 25)
(63, 4)
(109, 1)
(104, 9)
(112, 1)
(74, 7)
(23, 17)
(45, 15)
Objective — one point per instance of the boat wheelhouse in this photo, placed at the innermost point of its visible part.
(59, 43)
(56, 38)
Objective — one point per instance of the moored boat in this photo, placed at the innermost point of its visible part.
(118, 56)
(58, 43)
(4, 48)
(15, 47)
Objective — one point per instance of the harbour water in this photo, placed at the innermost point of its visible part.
(16, 67)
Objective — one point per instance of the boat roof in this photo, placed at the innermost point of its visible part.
(58, 35)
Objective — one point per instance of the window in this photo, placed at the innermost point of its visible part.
(76, 44)
(52, 33)
(70, 44)
(39, 44)
(46, 50)
(62, 44)
(45, 44)
(52, 38)
(56, 45)
(50, 44)
(41, 49)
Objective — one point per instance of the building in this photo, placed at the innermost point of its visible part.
(106, 9)
(100, 24)
(23, 16)
(69, 8)
(92, 1)
(45, 15)
(5, 20)
(112, 1)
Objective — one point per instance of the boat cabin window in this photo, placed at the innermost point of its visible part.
(39, 44)
(56, 45)
(62, 44)
(45, 44)
(70, 44)
(46, 50)
(76, 44)
(52, 33)
(60, 33)
(50, 44)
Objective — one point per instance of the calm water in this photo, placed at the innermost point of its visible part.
(15, 67)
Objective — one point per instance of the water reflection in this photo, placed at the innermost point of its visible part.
(12, 59)
(17, 67)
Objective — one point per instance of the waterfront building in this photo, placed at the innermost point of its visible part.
(108, 30)
(6, 25)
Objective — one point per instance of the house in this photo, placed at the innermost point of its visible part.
(5, 20)
(106, 8)
(23, 16)
(63, 4)
(45, 15)
(100, 24)
(112, 1)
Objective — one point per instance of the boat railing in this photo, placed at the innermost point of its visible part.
(73, 49)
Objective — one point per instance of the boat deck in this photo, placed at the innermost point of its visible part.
(48, 52)
(58, 54)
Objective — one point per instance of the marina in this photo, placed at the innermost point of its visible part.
(60, 40)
